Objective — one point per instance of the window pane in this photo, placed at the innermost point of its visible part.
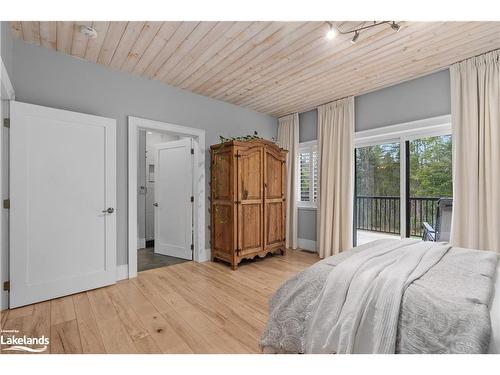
(305, 161)
(377, 192)
(315, 175)
(431, 186)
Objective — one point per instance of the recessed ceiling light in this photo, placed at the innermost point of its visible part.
(88, 31)
(150, 133)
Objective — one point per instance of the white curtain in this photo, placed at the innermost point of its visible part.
(475, 104)
(288, 138)
(335, 148)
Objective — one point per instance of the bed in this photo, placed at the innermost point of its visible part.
(390, 296)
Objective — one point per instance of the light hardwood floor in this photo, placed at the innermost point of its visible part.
(184, 308)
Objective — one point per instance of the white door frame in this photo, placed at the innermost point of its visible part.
(134, 125)
(6, 95)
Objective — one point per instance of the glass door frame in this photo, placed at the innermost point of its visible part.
(400, 133)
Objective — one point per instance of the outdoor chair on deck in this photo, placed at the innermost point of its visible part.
(441, 233)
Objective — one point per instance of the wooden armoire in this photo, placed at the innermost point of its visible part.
(248, 200)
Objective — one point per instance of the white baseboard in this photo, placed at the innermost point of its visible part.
(305, 244)
(122, 272)
(141, 243)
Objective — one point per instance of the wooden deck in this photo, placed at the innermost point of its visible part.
(184, 308)
(365, 236)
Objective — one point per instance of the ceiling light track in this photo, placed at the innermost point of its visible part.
(333, 30)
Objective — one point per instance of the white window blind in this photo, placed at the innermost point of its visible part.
(308, 174)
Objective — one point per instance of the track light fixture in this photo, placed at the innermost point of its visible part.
(395, 26)
(333, 31)
(355, 37)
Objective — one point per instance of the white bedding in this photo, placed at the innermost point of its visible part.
(439, 313)
(359, 307)
(494, 347)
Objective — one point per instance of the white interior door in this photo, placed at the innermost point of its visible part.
(173, 192)
(63, 199)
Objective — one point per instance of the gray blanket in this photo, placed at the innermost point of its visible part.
(443, 311)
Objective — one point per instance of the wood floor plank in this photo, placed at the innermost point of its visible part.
(239, 322)
(184, 308)
(90, 336)
(171, 336)
(184, 316)
(3, 318)
(40, 321)
(114, 335)
(65, 338)
(196, 313)
(195, 318)
(132, 323)
(20, 312)
(230, 281)
(62, 310)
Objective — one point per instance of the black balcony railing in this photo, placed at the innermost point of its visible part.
(382, 214)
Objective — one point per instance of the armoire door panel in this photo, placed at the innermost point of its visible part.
(221, 175)
(250, 176)
(274, 199)
(274, 178)
(250, 200)
(222, 228)
(274, 227)
(250, 228)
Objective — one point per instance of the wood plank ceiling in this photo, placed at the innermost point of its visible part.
(272, 67)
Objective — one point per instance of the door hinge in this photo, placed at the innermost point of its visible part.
(192, 247)
(6, 286)
(192, 198)
(192, 151)
(6, 122)
(6, 203)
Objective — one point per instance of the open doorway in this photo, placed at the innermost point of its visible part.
(166, 195)
(164, 199)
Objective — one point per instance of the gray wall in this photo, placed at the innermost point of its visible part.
(420, 98)
(44, 77)
(6, 46)
(308, 129)
(424, 97)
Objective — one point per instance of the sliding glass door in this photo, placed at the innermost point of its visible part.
(403, 188)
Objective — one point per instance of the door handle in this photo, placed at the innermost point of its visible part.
(155, 204)
(110, 210)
